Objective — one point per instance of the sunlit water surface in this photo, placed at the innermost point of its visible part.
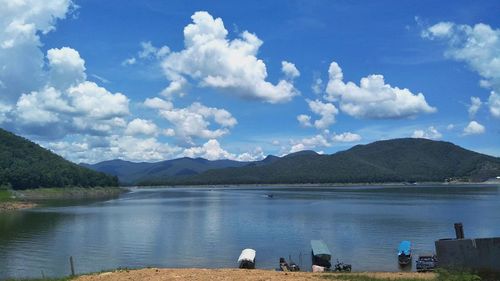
(208, 227)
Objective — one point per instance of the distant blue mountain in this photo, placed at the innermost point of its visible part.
(131, 173)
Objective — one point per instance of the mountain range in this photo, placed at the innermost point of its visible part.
(396, 160)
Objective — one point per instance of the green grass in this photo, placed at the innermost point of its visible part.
(442, 275)
(5, 195)
(356, 277)
(43, 279)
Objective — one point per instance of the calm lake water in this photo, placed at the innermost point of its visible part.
(202, 227)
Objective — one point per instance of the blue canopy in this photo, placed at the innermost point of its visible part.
(404, 248)
(320, 249)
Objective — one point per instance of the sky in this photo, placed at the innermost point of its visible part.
(155, 80)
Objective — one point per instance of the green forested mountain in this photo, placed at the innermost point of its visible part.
(24, 164)
(142, 172)
(397, 160)
(132, 172)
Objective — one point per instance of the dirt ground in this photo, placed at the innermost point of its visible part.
(11, 206)
(156, 274)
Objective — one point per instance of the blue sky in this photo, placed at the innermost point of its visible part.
(154, 80)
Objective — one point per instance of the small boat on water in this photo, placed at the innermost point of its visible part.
(404, 253)
(247, 259)
(321, 255)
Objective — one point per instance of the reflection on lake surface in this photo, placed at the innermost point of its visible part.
(202, 227)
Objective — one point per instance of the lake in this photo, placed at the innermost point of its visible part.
(208, 227)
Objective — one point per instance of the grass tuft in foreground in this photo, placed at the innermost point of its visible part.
(442, 275)
(356, 277)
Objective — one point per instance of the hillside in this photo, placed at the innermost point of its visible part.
(24, 164)
(397, 160)
(133, 173)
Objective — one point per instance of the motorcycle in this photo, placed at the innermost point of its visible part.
(342, 267)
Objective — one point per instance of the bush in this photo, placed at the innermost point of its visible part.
(445, 275)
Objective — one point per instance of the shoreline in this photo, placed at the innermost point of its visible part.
(199, 274)
(320, 185)
(14, 200)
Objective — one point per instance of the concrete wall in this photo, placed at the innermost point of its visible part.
(477, 254)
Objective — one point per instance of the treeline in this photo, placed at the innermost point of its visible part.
(24, 164)
(398, 160)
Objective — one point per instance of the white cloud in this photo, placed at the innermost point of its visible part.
(441, 29)
(320, 140)
(21, 60)
(474, 106)
(212, 150)
(256, 155)
(373, 98)
(157, 103)
(129, 148)
(431, 133)
(129, 61)
(304, 120)
(450, 127)
(217, 62)
(346, 137)
(67, 68)
(474, 128)
(82, 108)
(96, 102)
(194, 121)
(289, 69)
(4, 111)
(327, 111)
(317, 86)
(478, 46)
(176, 87)
(141, 127)
(494, 104)
(149, 51)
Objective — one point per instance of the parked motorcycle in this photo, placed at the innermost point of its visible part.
(342, 267)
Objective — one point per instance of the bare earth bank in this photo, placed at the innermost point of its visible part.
(154, 274)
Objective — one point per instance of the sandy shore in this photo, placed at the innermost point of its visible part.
(157, 274)
(16, 205)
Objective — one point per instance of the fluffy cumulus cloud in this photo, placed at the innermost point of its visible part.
(66, 67)
(68, 104)
(194, 121)
(212, 150)
(373, 98)
(319, 140)
(131, 148)
(475, 104)
(141, 127)
(346, 137)
(494, 104)
(474, 128)
(478, 46)
(325, 110)
(49, 95)
(304, 120)
(289, 69)
(21, 60)
(158, 103)
(431, 133)
(215, 61)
